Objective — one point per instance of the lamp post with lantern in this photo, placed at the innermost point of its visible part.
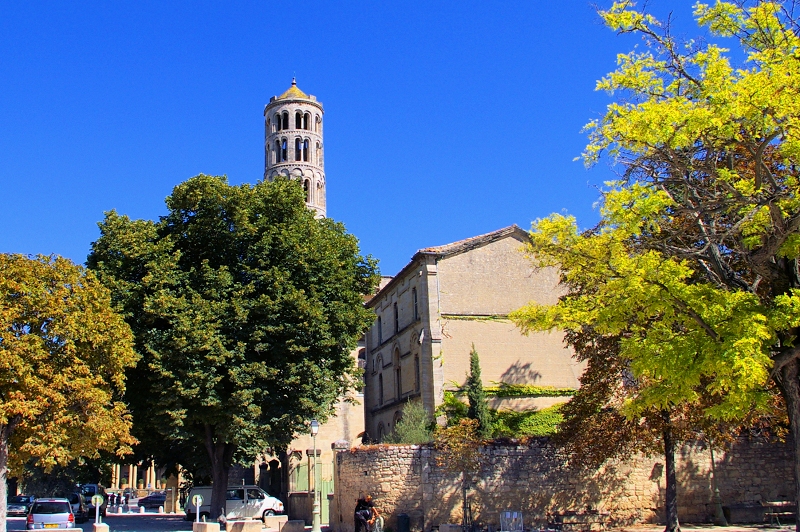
(315, 518)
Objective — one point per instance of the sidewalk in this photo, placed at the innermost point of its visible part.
(708, 528)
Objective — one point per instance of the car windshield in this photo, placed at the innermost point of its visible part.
(18, 499)
(51, 507)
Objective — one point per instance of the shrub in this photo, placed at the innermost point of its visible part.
(414, 427)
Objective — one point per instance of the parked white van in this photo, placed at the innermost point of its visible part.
(240, 502)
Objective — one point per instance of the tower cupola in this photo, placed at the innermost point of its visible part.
(293, 143)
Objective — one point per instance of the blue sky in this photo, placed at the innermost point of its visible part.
(443, 120)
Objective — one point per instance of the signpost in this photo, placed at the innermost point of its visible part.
(97, 500)
(197, 500)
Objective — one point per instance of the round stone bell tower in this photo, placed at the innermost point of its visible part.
(293, 143)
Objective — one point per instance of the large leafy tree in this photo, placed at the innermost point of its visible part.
(244, 307)
(694, 266)
(63, 355)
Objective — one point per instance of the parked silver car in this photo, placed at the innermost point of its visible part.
(51, 513)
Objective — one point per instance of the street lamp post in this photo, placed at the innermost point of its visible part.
(315, 518)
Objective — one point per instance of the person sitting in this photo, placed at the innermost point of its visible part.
(364, 514)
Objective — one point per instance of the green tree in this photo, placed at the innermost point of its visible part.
(693, 267)
(478, 407)
(414, 427)
(245, 309)
(63, 355)
(458, 451)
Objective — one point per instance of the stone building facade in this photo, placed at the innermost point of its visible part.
(445, 300)
(293, 143)
(535, 480)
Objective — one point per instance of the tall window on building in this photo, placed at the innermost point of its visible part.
(298, 120)
(318, 155)
(380, 330)
(277, 122)
(306, 119)
(284, 149)
(305, 150)
(396, 318)
(285, 120)
(362, 365)
(414, 301)
(416, 374)
(307, 189)
(399, 383)
(276, 153)
(380, 389)
(317, 123)
(297, 149)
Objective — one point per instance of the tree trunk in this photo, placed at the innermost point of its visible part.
(4, 436)
(672, 480)
(220, 455)
(791, 393)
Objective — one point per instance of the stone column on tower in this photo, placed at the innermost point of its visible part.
(293, 143)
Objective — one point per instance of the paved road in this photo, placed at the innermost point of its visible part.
(148, 522)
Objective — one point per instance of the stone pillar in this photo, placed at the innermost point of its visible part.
(131, 476)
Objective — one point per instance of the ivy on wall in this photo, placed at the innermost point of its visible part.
(504, 389)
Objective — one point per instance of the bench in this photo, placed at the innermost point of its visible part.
(774, 510)
(580, 521)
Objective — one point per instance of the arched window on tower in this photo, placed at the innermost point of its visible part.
(277, 122)
(297, 149)
(285, 120)
(317, 123)
(307, 189)
(305, 150)
(276, 157)
(268, 129)
(380, 389)
(306, 119)
(318, 155)
(284, 150)
(298, 120)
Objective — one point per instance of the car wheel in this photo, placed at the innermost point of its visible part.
(267, 513)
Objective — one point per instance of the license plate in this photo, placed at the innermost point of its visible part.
(51, 525)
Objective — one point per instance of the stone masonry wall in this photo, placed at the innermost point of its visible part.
(533, 479)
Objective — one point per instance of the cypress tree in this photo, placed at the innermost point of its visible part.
(478, 407)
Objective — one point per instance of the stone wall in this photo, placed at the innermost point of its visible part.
(533, 479)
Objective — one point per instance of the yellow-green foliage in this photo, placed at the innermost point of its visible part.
(511, 424)
(526, 390)
(686, 264)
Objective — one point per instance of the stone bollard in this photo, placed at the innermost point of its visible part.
(250, 525)
(119, 509)
(275, 522)
(297, 525)
(161, 509)
(99, 527)
(205, 527)
(141, 509)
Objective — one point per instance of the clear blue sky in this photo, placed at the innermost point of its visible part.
(443, 120)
